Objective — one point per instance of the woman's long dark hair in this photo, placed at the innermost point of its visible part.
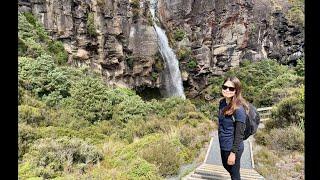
(237, 100)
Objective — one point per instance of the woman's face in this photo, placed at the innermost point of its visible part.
(228, 89)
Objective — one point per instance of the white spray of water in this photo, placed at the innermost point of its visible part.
(173, 81)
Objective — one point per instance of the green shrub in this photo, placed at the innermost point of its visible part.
(127, 153)
(192, 64)
(36, 113)
(30, 100)
(125, 134)
(187, 135)
(90, 25)
(30, 18)
(118, 95)
(57, 48)
(43, 78)
(135, 3)
(25, 28)
(265, 162)
(33, 40)
(164, 155)
(254, 76)
(26, 170)
(192, 118)
(209, 109)
(184, 54)
(159, 63)
(104, 127)
(26, 136)
(129, 60)
(270, 124)
(76, 74)
(90, 134)
(283, 81)
(29, 26)
(131, 108)
(261, 137)
(51, 157)
(279, 94)
(152, 124)
(168, 105)
(181, 111)
(31, 48)
(216, 82)
(101, 3)
(30, 115)
(290, 138)
(22, 47)
(295, 15)
(64, 118)
(154, 76)
(89, 100)
(21, 93)
(300, 67)
(178, 34)
(196, 142)
(150, 20)
(193, 139)
(289, 110)
(136, 13)
(100, 172)
(31, 36)
(141, 169)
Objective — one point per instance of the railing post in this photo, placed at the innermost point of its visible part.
(265, 113)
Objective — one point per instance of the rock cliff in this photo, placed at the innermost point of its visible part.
(116, 37)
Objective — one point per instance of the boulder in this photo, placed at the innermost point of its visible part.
(82, 55)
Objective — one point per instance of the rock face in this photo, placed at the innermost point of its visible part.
(222, 33)
(117, 39)
(111, 36)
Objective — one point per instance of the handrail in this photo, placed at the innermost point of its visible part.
(264, 109)
(265, 113)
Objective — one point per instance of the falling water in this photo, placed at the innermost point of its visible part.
(173, 82)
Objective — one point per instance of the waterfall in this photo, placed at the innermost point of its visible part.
(172, 76)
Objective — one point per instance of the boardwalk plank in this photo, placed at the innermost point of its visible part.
(212, 168)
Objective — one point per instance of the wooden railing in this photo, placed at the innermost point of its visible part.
(265, 113)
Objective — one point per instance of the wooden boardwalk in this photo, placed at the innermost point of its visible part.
(217, 172)
(212, 168)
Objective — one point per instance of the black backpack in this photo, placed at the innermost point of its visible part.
(252, 122)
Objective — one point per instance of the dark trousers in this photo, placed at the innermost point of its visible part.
(234, 170)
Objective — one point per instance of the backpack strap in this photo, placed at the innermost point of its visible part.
(233, 118)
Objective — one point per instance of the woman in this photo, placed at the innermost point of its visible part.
(232, 117)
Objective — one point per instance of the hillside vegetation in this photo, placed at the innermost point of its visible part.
(71, 125)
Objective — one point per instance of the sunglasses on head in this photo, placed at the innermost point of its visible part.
(228, 87)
